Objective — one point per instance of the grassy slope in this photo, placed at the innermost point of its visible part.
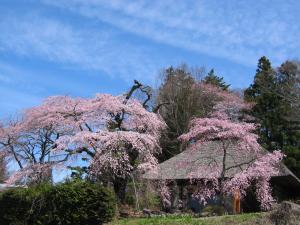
(243, 219)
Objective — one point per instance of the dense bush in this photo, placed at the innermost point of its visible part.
(68, 203)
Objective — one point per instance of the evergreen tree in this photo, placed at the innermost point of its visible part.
(276, 108)
(289, 90)
(212, 78)
(263, 93)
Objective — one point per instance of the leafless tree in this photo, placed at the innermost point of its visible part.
(183, 98)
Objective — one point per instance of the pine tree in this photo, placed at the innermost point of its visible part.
(274, 92)
(289, 90)
(212, 78)
(263, 93)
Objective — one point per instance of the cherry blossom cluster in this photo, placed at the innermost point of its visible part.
(260, 173)
(31, 174)
(118, 135)
(226, 127)
(209, 129)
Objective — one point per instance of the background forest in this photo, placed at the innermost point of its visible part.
(275, 93)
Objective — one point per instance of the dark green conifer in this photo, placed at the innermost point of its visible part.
(212, 78)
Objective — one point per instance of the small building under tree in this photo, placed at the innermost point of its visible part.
(180, 171)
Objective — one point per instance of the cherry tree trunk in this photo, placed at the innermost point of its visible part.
(120, 185)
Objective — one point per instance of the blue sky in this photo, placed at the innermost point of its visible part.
(78, 48)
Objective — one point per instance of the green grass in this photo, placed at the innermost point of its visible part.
(242, 219)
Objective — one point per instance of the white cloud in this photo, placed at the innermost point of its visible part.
(75, 46)
(235, 30)
(241, 31)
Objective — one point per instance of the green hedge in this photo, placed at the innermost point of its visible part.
(69, 203)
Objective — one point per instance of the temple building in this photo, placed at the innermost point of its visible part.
(183, 167)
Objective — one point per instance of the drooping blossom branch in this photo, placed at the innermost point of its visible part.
(238, 160)
(116, 133)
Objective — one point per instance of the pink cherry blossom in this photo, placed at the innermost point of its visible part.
(226, 127)
(108, 129)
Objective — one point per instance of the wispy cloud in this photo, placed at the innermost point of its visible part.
(239, 30)
(83, 47)
(126, 40)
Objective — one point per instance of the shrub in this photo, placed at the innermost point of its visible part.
(69, 203)
(14, 207)
(212, 210)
